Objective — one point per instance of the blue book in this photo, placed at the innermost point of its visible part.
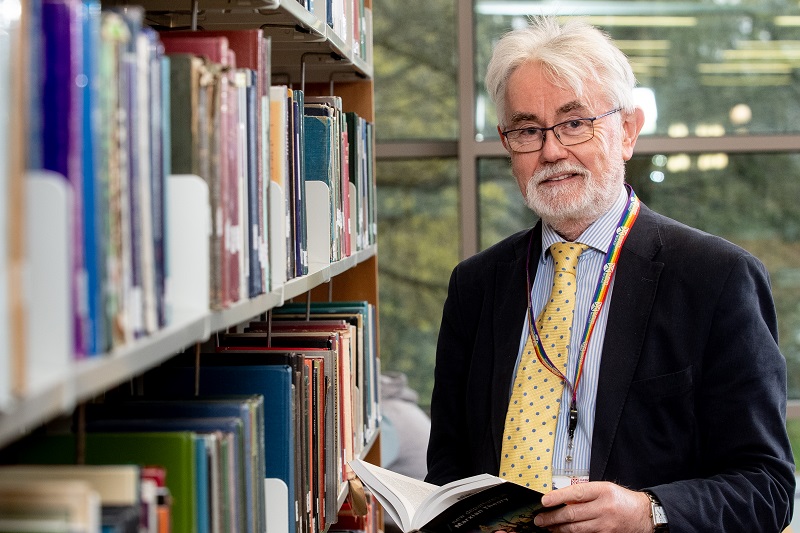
(160, 157)
(97, 339)
(203, 483)
(254, 238)
(319, 155)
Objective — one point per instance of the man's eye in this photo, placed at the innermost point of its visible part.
(574, 124)
(528, 132)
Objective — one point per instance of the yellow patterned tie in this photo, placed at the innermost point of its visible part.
(527, 454)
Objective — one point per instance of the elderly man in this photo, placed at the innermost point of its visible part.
(622, 358)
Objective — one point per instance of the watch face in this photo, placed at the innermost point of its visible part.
(659, 516)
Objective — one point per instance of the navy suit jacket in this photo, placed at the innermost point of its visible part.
(692, 388)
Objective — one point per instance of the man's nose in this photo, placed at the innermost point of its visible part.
(552, 149)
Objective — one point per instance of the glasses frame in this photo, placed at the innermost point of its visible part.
(553, 129)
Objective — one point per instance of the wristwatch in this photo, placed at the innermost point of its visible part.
(658, 515)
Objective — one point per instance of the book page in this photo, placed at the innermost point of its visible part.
(412, 490)
(451, 493)
(400, 495)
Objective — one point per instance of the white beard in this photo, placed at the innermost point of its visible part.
(579, 205)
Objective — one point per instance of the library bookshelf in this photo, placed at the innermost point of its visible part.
(310, 49)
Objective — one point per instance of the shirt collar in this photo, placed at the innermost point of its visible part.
(598, 235)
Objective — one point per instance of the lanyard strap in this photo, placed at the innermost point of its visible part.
(624, 225)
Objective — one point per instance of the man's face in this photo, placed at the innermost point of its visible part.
(567, 183)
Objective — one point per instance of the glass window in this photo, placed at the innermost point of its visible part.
(501, 210)
(415, 70)
(749, 199)
(704, 68)
(418, 248)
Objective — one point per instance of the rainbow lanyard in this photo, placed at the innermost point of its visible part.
(601, 293)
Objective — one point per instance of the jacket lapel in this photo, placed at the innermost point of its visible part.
(510, 305)
(636, 280)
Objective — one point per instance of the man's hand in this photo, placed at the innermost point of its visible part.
(597, 507)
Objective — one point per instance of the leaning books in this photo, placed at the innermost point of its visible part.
(484, 502)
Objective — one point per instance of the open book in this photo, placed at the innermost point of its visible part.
(478, 503)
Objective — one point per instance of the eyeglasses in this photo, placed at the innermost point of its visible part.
(568, 133)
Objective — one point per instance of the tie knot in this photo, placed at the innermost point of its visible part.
(565, 255)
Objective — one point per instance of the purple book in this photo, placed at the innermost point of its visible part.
(63, 82)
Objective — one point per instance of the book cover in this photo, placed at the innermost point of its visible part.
(331, 106)
(319, 161)
(232, 139)
(162, 161)
(62, 131)
(278, 173)
(255, 184)
(150, 172)
(115, 37)
(297, 166)
(356, 134)
(93, 209)
(135, 144)
(479, 503)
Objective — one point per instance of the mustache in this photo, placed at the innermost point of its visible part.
(560, 168)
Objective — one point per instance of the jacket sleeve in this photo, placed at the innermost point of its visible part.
(448, 457)
(745, 472)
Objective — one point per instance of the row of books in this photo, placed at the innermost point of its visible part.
(116, 108)
(84, 499)
(350, 20)
(261, 428)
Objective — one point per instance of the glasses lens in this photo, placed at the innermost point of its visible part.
(575, 131)
(525, 140)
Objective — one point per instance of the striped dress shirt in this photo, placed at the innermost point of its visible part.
(598, 237)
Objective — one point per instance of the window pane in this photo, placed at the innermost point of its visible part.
(418, 244)
(501, 210)
(415, 69)
(748, 199)
(703, 68)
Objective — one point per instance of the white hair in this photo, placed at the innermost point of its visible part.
(575, 55)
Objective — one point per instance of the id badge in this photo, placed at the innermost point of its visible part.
(562, 478)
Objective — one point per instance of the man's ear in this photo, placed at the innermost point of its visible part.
(503, 139)
(632, 124)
